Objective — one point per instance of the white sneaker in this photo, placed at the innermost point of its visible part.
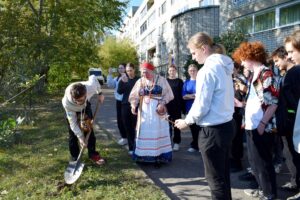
(253, 192)
(176, 147)
(122, 141)
(249, 170)
(191, 150)
(295, 197)
(130, 153)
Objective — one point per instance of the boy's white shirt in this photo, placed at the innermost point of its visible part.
(92, 87)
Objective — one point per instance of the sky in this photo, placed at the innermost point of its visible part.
(130, 4)
(134, 3)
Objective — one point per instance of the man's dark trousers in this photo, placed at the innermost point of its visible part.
(73, 140)
(215, 144)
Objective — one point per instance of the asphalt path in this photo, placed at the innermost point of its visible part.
(184, 177)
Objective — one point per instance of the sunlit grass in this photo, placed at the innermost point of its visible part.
(33, 166)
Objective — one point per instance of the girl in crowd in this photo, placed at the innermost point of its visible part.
(188, 94)
(175, 107)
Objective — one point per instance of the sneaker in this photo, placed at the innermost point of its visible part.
(192, 150)
(271, 197)
(122, 141)
(249, 170)
(253, 192)
(98, 160)
(289, 187)
(278, 168)
(295, 197)
(176, 147)
(130, 153)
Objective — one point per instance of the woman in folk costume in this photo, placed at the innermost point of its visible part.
(148, 98)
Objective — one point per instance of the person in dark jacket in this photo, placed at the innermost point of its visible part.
(280, 58)
(113, 82)
(291, 93)
(175, 107)
(126, 83)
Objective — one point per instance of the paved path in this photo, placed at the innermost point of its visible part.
(184, 177)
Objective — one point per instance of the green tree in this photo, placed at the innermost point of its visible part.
(115, 51)
(231, 40)
(54, 37)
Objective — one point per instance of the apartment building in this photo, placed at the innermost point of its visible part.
(160, 29)
(186, 24)
(149, 26)
(268, 21)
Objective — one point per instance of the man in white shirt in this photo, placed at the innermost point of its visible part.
(212, 110)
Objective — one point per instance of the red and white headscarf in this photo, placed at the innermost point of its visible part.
(147, 66)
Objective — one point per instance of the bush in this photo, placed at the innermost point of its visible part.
(231, 40)
(7, 128)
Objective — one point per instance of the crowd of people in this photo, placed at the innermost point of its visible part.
(250, 97)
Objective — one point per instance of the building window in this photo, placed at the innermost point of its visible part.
(290, 14)
(163, 8)
(144, 44)
(163, 28)
(244, 24)
(264, 21)
(143, 28)
(136, 23)
(143, 12)
(151, 37)
(151, 19)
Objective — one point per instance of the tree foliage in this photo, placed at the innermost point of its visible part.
(6, 130)
(57, 38)
(231, 40)
(115, 51)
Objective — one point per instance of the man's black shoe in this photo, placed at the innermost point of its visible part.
(247, 177)
(253, 184)
(235, 166)
(235, 169)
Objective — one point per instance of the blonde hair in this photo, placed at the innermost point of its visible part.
(201, 38)
(192, 65)
(219, 48)
(294, 38)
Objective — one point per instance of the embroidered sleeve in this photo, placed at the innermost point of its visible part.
(167, 93)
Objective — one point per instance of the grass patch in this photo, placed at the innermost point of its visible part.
(33, 166)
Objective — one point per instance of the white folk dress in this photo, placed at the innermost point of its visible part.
(153, 143)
